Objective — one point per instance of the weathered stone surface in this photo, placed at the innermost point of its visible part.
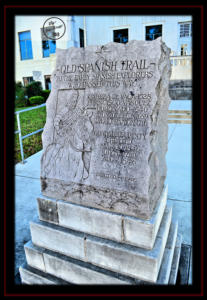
(34, 257)
(32, 276)
(105, 136)
(47, 209)
(92, 221)
(69, 269)
(126, 229)
(129, 260)
(122, 258)
(29, 277)
(175, 262)
(57, 239)
(166, 265)
(143, 233)
(79, 272)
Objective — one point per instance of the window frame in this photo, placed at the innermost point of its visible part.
(120, 29)
(21, 58)
(49, 47)
(45, 39)
(153, 25)
(189, 29)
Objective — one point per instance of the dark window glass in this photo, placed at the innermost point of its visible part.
(81, 35)
(47, 82)
(153, 32)
(121, 36)
(25, 44)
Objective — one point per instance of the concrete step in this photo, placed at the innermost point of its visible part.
(97, 222)
(70, 269)
(165, 269)
(30, 276)
(78, 272)
(176, 259)
(122, 258)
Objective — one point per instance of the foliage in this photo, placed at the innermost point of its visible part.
(36, 100)
(45, 94)
(20, 100)
(34, 89)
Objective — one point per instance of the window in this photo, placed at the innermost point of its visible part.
(27, 80)
(153, 32)
(48, 46)
(47, 82)
(121, 36)
(25, 44)
(81, 36)
(185, 29)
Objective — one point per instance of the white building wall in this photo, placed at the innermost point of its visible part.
(99, 31)
(24, 68)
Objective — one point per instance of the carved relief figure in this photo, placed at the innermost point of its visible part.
(72, 141)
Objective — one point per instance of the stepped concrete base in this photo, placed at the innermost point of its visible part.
(130, 230)
(69, 269)
(117, 257)
(176, 259)
(166, 265)
(32, 276)
(48, 265)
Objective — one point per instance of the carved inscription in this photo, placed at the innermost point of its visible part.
(121, 109)
(120, 147)
(104, 73)
(128, 106)
(105, 137)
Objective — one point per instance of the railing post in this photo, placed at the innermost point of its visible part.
(20, 137)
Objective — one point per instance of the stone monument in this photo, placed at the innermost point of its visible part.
(103, 213)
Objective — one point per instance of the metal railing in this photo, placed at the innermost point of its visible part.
(21, 138)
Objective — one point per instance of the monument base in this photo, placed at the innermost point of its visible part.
(80, 245)
(60, 267)
(126, 229)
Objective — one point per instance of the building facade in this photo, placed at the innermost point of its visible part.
(35, 53)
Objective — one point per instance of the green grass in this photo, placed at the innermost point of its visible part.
(30, 121)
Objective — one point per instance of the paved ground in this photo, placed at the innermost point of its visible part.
(27, 186)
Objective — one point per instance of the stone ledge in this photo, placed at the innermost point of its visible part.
(130, 230)
(72, 270)
(32, 276)
(143, 233)
(122, 258)
(166, 265)
(78, 272)
(129, 260)
(175, 262)
(55, 238)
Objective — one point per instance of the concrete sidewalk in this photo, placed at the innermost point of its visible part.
(27, 186)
